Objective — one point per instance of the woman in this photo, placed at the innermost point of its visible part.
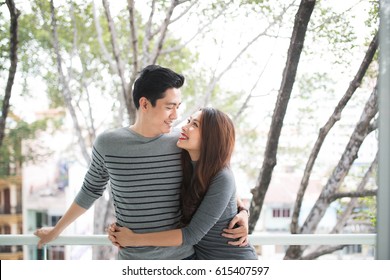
(208, 197)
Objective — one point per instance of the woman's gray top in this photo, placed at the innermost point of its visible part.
(217, 209)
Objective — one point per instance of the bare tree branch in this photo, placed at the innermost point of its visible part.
(74, 42)
(163, 32)
(119, 63)
(364, 193)
(13, 55)
(345, 216)
(75, 51)
(216, 78)
(264, 32)
(373, 126)
(345, 162)
(65, 87)
(99, 32)
(114, 44)
(340, 171)
(158, 30)
(324, 250)
(185, 11)
(335, 17)
(336, 115)
(198, 32)
(91, 126)
(250, 95)
(183, 1)
(295, 252)
(134, 72)
(148, 36)
(134, 37)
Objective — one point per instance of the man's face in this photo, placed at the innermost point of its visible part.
(162, 116)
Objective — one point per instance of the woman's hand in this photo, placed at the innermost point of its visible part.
(121, 236)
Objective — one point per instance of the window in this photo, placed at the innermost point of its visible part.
(54, 220)
(281, 212)
(353, 249)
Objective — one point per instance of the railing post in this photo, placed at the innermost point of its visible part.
(383, 206)
(44, 248)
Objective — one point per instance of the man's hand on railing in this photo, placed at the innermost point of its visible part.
(46, 234)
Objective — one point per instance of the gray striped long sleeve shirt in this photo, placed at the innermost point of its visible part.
(145, 176)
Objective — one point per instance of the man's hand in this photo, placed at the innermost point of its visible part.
(46, 234)
(238, 229)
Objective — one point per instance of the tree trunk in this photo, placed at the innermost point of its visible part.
(296, 45)
(120, 66)
(104, 214)
(14, 14)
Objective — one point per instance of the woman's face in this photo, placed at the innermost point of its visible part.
(190, 138)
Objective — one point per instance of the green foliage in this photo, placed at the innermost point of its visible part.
(11, 153)
(258, 4)
(313, 90)
(368, 213)
(53, 91)
(333, 33)
(365, 210)
(373, 16)
(181, 60)
(364, 213)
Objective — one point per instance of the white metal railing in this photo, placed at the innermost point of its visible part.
(255, 239)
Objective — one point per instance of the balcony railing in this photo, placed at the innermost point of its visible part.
(255, 239)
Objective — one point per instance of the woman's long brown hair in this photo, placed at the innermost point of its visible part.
(217, 144)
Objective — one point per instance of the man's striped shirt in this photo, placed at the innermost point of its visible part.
(145, 176)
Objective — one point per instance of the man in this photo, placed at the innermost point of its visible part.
(142, 163)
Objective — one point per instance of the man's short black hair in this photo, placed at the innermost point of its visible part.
(152, 83)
